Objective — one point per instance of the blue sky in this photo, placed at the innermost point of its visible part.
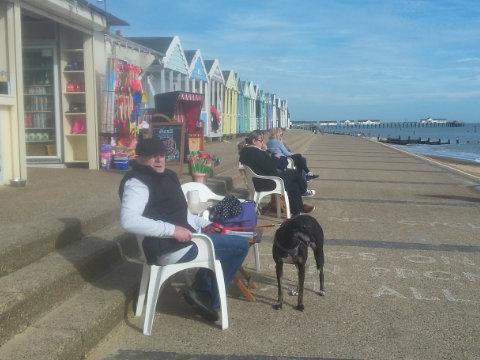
(334, 59)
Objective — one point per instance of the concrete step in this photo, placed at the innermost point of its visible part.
(55, 234)
(74, 327)
(38, 287)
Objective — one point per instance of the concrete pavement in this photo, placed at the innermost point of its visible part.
(402, 272)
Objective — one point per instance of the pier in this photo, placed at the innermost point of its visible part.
(333, 127)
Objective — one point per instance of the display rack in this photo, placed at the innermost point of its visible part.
(74, 99)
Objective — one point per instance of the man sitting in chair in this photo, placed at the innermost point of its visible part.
(153, 205)
(255, 156)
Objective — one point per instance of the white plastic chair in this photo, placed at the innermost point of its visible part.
(290, 163)
(257, 196)
(206, 194)
(153, 277)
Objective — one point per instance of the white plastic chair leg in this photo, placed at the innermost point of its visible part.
(156, 272)
(222, 293)
(279, 205)
(256, 252)
(143, 290)
(288, 214)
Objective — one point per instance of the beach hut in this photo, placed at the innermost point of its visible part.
(243, 109)
(269, 100)
(168, 73)
(283, 114)
(230, 103)
(198, 79)
(252, 89)
(260, 110)
(276, 103)
(214, 98)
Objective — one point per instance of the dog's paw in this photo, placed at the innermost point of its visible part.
(300, 307)
(277, 306)
(321, 292)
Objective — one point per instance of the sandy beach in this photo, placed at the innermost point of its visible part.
(469, 167)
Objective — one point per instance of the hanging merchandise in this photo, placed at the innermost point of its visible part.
(216, 118)
(123, 99)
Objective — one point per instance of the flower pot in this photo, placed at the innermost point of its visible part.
(199, 177)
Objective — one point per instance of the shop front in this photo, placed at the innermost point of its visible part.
(52, 51)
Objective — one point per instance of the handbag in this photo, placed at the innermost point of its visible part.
(247, 217)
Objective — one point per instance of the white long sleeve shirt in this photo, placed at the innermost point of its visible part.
(135, 198)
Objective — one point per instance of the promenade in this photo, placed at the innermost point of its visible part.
(402, 268)
(403, 272)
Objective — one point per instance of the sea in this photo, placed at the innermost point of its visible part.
(464, 140)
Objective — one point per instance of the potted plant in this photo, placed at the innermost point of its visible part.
(202, 164)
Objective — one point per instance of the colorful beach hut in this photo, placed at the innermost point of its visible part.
(198, 79)
(269, 100)
(283, 114)
(230, 103)
(252, 90)
(243, 109)
(276, 111)
(261, 110)
(168, 73)
(214, 99)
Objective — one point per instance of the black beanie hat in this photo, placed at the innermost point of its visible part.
(150, 147)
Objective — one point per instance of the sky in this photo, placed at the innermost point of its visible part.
(391, 60)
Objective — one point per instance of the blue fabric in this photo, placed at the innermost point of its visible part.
(231, 250)
(277, 147)
(246, 218)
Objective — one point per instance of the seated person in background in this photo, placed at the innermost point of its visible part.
(153, 205)
(255, 156)
(278, 149)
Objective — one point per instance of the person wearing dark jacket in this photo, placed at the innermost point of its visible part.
(255, 156)
(153, 205)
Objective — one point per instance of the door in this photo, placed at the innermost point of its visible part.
(42, 125)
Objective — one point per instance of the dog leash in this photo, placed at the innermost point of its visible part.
(243, 228)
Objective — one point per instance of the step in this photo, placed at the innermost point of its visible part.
(38, 287)
(55, 234)
(73, 328)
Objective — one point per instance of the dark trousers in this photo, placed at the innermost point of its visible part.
(300, 163)
(231, 250)
(296, 186)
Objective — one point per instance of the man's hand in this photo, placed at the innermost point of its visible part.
(181, 234)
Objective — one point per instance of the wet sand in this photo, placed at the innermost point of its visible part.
(468, 167)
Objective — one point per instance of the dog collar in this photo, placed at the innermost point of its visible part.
(291, 252)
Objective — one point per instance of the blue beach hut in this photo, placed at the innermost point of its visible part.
(252, 97)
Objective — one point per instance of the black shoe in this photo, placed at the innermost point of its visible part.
(202, 309)
(311, 177)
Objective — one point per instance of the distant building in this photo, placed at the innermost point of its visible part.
(429, 120)
(368, 122)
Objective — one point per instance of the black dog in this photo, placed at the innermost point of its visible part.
(290, 245)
